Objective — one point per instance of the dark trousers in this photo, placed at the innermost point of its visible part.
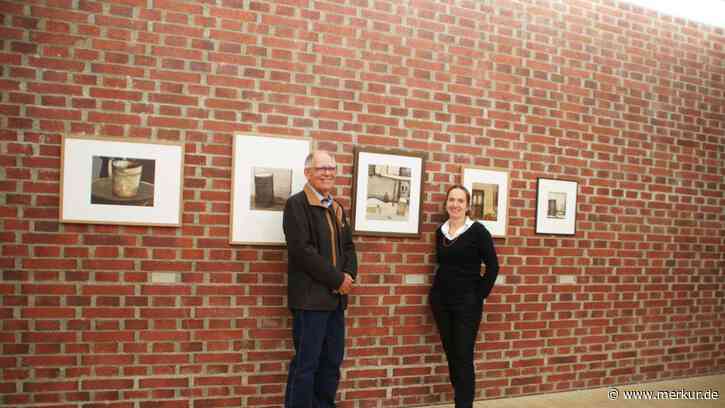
(314, 372)
(458, 328)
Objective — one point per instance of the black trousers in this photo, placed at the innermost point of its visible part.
(458, 327)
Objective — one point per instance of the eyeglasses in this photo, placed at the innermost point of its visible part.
(328, 169)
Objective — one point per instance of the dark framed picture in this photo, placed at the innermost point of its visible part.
(116, 181)
(387, 192)
(556, 206)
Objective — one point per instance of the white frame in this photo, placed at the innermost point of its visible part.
(367, 156)
(77, 152)
(255, 227)
(497, 228)
(546, 225)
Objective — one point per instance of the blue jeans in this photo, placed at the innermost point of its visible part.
(314, 371)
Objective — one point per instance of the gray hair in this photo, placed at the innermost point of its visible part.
(311, 157)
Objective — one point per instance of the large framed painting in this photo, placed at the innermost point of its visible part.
(119, 181)
(556, 206)
(265, 172)
(387, 191)
(489, 197)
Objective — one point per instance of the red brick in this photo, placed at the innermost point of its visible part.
(59, 39)
(164, 383)
(50, 63)
(49, 361)
(50, 387)
(109, 336)
(49, 263)
(164, 359)
(108, 313)
(118, 384)
(110, 264)
(114, 118)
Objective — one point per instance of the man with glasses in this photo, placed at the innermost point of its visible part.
(321, 271)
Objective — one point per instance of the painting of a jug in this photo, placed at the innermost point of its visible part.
(123, 181)
(126, 176)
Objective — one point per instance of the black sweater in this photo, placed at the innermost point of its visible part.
(459, 264)
(320, 251)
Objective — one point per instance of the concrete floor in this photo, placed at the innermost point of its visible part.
(598, 398)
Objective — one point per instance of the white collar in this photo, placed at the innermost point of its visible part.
(446, 227)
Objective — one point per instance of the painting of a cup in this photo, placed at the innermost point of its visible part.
(126, 175)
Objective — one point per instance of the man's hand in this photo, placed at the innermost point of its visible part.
(346, 286)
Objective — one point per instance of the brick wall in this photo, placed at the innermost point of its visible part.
(628, 103)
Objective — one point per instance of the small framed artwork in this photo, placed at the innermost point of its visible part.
(265, 172)
(556, 206)
(489, 197)
(118, 181)
(386, 193)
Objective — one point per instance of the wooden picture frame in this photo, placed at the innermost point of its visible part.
(266, 170)
(120, 181)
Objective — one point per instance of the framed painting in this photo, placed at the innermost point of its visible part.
(387, 192)
(489, 197)
(118, 181)
(265, 172)
(556, 206)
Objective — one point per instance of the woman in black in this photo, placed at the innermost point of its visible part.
(459, 289)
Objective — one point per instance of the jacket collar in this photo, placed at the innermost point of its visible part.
(319, 195)
(314, 200)
(313, 197)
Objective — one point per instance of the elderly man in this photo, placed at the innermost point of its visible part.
(322, 268)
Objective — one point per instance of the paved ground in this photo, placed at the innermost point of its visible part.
(600, 397)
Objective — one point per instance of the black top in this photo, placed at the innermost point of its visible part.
(459, 263)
